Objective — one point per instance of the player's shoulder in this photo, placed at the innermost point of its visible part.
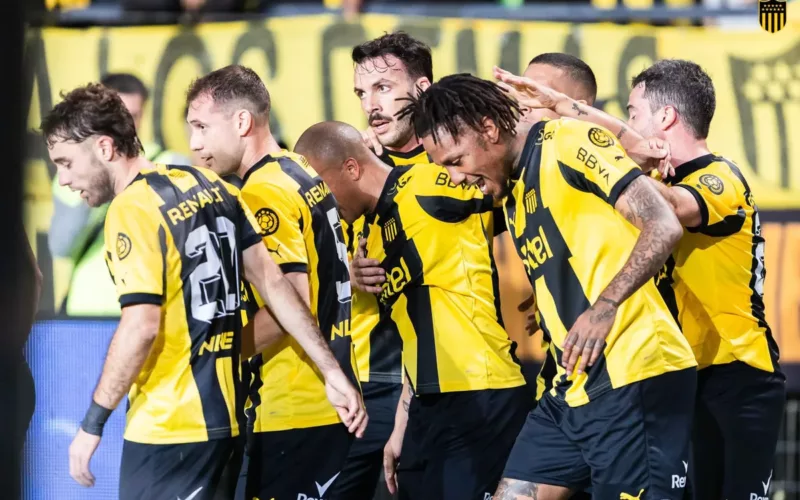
(138, 197)
(713, 174)
(284, 171)
(430, 187)
(572, 130)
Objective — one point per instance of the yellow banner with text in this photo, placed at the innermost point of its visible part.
(305, 62)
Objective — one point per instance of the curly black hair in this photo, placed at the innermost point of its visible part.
(459, 100)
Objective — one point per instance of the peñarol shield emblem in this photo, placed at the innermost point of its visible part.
(772, 15)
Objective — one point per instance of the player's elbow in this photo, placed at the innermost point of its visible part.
(671, 229)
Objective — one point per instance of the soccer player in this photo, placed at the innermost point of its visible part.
(592, 232)
(430, 238)
(741, 389)
(299, 221)
(178, 243)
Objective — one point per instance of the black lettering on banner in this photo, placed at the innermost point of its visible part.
(510, 52)
(259, 37)
(102, 54)
(35, 70)
(338, 35)
(571, 45)
(637, 48)
(185, 44)
(465, 52)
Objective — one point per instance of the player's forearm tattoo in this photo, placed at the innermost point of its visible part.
(602, 315)
(647, 211)
(406, 404)
(578, 109)
(621, 132)
(514, 489)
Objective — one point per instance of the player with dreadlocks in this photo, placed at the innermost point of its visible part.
(591, 232)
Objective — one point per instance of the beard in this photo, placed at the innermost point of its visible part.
(402, 133)
(101, 186)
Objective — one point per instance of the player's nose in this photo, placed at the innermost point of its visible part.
(63, 178)
(456, 176)
(195, 144)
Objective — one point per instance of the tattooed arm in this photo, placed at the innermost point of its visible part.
(391, 452)
(645, 208)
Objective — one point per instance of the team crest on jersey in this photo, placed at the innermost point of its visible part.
(600, 138)
(530, 201)
(713, 183)
(123, 245)
(268, 221)
(772, 15)
(390, 230)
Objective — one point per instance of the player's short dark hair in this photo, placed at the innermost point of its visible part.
(575, 67)
(415, 54)
(92, 110)
(125, 83)
(234, 83)
(686, 87)
(461, 100)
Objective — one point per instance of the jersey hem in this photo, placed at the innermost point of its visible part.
(462, 386)
(184, 438)
(286, 424)
(132, 299)
(383, 378)
(250, 241)
(293, 267)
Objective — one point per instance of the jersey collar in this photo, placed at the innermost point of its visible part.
(528, 150)
(406, 156)
(386, 199)
(260, 163)
(685, 170)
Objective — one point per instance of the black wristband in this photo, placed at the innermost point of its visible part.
(95, 419)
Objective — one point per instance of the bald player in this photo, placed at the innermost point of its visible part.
(432, 242)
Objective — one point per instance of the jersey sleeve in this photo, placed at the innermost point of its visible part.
(720, 202)
(280, 219)
(136, 248)
(591, 160)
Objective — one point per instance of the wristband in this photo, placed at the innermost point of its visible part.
(95, 419)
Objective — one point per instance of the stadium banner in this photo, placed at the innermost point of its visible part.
(305, 62)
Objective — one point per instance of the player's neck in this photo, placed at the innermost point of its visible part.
(261, 145)
(686, 149)
(409, 146)
(128, 169)
(376, 177)
(518, 141)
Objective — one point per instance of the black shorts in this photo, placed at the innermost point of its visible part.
(296, 463)
(361, 472)
(185, 471)
(457, 443)
(631, 441)
(739, 410)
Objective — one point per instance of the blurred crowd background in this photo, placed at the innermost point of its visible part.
(150, 50)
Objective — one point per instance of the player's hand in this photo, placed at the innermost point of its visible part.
(347, 401)
(371, 141)
(531, 325)
(391, 456)
(653, 153)
(527, 92)
(80, 454)
(587, 337)
(366, 274)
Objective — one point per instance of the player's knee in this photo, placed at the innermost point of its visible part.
(515, 489)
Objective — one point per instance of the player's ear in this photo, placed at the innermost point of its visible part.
(490, 133)
(668, 117)
(422, 83)
(352, 169)
(244, 122)
(105, 147)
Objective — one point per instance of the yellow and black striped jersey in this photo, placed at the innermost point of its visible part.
(378, 350)
(572, 243)
(175, 237)
(440, 293)
(378, 347)
(299, 221)
(714, 280)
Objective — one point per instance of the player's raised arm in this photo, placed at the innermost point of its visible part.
(608, 172)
